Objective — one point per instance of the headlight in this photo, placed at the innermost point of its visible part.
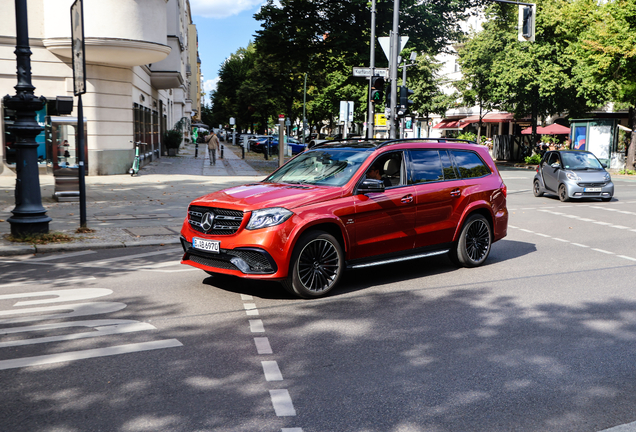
(572, 176)
(268, 217)
(608, 178)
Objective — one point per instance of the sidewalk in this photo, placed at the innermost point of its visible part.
(126, 211)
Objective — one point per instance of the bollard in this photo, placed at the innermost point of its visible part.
(196, 149)
(266, 152)
(222, 148)
(242, 152)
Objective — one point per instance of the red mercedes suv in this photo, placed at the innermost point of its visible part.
(351, 204)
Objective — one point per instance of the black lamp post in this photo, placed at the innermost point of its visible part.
(29, 216)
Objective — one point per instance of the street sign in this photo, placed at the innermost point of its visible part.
(366, 72)
(77, 48)
(385, 43)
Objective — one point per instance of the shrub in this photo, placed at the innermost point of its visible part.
(172, 138)
(533, 160)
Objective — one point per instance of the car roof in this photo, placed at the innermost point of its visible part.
(368, 144)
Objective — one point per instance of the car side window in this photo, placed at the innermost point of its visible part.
(469, 164)
(390, 168)
(426, 166)
(447, 166)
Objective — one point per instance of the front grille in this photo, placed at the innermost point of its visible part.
(591, 184)
(212, 262)
(226, 222)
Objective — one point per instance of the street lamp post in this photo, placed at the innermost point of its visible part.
(29, 216)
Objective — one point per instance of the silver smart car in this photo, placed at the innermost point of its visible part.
(572, 174)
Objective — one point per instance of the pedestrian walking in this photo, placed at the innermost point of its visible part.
(213, 146)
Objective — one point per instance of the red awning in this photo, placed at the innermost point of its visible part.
(491, 118)
(451, 124)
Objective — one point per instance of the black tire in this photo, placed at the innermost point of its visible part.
(606, 199)
(536, 189)
(474, 242)
(563, 193)
(316, 266)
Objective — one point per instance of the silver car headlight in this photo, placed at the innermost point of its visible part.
(608, 178)
(268, 217)
(572, 176)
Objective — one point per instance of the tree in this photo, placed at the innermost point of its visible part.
(425, 81)
(605, 57)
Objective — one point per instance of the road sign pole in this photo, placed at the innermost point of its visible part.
(371, 105)
(395, 47)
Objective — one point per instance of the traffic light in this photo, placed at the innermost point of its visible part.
(527, 15)
(405, 102)
(377, 89)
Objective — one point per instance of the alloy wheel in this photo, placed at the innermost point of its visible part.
(478, 240)
(318, 265)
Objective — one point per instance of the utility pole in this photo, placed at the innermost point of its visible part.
(393, 66)
(29, 216)
(371, 106)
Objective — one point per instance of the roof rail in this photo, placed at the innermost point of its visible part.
(384, 142)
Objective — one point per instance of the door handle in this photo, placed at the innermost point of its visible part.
(407, 199)
(456, 193)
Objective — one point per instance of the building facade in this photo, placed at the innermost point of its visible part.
(137, 82)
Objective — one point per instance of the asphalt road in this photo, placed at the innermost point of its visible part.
(541, 338)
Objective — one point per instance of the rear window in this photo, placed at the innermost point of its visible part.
(426, 166)
(469, 164)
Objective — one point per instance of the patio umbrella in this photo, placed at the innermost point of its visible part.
(553, 129)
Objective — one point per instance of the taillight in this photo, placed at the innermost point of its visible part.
(537, 168)
(504, 190)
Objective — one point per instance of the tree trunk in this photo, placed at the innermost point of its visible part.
(631, 150)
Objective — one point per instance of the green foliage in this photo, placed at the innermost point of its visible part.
(470, 136)
(172, 138)
(627, 172)
(535, 159)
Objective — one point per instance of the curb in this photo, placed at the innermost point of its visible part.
(74, 247)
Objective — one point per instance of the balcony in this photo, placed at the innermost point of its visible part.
(115, 32)
(169, 73)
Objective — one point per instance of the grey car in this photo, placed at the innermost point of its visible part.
(572, 174)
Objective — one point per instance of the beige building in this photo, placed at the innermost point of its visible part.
(137, 76)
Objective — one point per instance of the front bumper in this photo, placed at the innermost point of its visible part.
(578, 190)
(247, 261)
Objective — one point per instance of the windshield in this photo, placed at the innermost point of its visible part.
(320, 167)
(580, 161)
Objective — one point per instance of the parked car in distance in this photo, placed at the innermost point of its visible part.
(572, 174)
(258, 146)
(324, 212)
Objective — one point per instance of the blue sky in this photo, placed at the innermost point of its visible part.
(223, 27)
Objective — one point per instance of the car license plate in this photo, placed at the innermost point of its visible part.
(206, 245)
(592, 189)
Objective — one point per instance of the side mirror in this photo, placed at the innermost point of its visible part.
(603, 164)
(371, 185)
(555, 165)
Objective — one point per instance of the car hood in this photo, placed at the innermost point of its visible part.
(255, 196)
(596, 176)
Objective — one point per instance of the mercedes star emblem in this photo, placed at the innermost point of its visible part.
(207, 221)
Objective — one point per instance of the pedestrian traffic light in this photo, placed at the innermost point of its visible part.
(527, 15)
(405, 102)
(377, 89)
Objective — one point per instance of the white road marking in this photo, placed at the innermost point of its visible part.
(560, 239)
(246, 297)
(282, 403)
(86, 354)
(603, 251)
(61, 296)
(626, 257)
(74, 310)
(543, 235)
(262, 345)
(271, 371)
(291, 430)
(250, 308)
(256, 326)
(129, 257)
(580, 245)
(101, 329)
